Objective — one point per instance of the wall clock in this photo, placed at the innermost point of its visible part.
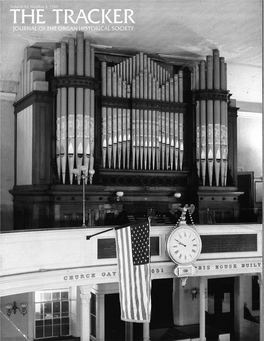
(184, 244)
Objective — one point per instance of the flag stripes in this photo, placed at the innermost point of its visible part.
(132, 243)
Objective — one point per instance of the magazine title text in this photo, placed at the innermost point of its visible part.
(69, 16)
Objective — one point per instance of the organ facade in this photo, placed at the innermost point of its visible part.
(129, 123)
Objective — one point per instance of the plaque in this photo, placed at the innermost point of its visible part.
(229, 243)
(106, 248)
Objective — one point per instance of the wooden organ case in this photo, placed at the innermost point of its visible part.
(132, 122)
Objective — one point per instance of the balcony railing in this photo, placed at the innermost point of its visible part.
(106, 217)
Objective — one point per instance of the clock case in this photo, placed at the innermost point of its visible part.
(182, 224)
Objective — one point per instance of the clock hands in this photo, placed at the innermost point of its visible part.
(180, 243)
(184, 245)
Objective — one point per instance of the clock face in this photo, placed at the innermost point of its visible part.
(184, 245)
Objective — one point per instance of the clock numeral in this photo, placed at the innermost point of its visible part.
(184, 246)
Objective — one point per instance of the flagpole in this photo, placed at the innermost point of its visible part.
(92, 235)
(118, 227)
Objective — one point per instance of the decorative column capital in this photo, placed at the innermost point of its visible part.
(85, 298)
(85, 294)
(86, 289)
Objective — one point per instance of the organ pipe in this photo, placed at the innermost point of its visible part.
(92, 125)
(74, 108)
(209, 83)
(71, 109)
(58, 116)
(64, 113)
(151, 138)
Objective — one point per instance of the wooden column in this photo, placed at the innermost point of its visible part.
(73, 310)
(85, 312)
(146, 331)
(202, 308)
(239, 300)
(128, 331)
(100, 316)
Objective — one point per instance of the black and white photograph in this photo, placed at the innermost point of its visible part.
(131, 170)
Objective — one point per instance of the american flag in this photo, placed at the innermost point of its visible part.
(133, 253)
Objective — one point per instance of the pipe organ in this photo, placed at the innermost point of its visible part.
(209, 84)
(138, 124)
(142, 115)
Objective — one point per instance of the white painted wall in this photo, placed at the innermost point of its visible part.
(249, 142)
(14, 328)
(245, 82)
(185, 309)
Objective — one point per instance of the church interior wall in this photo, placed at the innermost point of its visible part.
(249, 137)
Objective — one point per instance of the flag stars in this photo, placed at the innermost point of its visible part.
(140, 244)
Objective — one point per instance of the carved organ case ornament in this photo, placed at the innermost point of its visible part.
(209, 84)
(142, 116)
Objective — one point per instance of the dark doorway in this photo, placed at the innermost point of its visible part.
(161, 312)
(115, 328)
(220, 314)
(161, 301)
